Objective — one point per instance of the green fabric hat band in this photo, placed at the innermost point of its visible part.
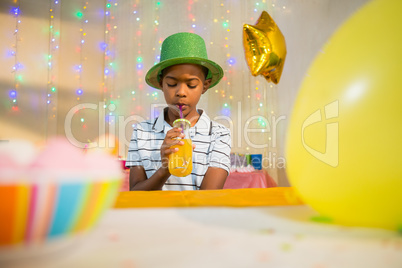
(181, 48)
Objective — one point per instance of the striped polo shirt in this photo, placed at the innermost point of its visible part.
(212, 141)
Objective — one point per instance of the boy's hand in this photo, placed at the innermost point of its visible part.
(170, 140)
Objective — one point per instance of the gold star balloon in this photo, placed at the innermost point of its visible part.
(264, 48)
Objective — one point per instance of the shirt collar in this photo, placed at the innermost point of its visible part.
(159, 124)
(203, 125)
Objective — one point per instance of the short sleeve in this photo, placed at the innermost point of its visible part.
(133, 156)
(220, 149)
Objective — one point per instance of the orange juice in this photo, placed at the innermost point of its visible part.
(181, 162)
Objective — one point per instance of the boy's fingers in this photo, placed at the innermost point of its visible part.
(171, 150)
(174, 130)
(175, 142)
(180, 142)
(175, 136)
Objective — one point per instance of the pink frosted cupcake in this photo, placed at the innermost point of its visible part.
(63, 192)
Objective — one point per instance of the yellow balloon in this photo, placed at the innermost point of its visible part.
(344, 143)
(264, 48)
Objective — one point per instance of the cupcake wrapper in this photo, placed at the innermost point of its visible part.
(33, 213)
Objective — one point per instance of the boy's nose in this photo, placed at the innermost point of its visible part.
(181, 90)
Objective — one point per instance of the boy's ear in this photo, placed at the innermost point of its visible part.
(207, 83)
(160, 83)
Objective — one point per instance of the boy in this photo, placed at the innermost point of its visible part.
(183, 74)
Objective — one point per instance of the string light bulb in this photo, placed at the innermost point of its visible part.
(15, 12)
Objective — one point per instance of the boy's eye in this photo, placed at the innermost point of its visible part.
(170, 85)
(192, 86)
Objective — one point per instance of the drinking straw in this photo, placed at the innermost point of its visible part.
(181, 116)
(181, 111)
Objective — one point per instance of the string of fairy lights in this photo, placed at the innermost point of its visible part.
(134, 12)
(230, 61)
(138, 91)
(54, 36)
(17, 66)
(81, 15)
(108, 47)
(154, 95)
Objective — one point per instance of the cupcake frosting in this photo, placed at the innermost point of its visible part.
(60, 155)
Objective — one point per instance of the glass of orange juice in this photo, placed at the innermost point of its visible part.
(181, 162)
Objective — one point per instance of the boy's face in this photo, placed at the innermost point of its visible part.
(183, 84)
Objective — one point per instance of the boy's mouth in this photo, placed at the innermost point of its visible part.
(183, 106)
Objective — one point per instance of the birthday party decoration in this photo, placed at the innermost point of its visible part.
(52, 66)
(13, 93)
(344, 139)
(108, 47)
(55, 192)
(264, 48)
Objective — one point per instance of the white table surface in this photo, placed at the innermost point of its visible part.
(218, 237)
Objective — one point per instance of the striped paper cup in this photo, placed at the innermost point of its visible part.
(40, 210)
